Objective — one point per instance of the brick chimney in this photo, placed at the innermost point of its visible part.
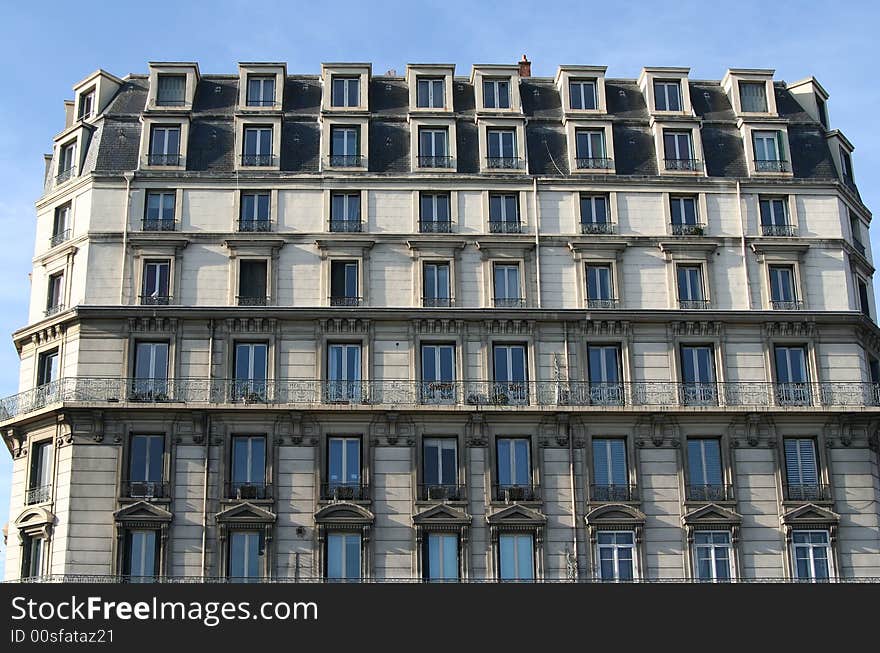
(525, 67)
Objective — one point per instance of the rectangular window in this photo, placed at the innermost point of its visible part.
(510, 378)
(501, 148)
(812, 555)
(590, 148)
(496, 93)
(683, 210)
(344, 372)
(705, 476)
(146, 464)
(345, 146)
(440, 469)
(344, 283)
(250, 371)
(698, 375)
(434, 213)
(583, 94)
(171, 90)
(248, 477)
(344, 467)
(159, 211)
(678, 148)
(594, 214)
(782, 288)
(430, 93)
(150, 381)
(164, 146)
(769, 151)
(261, 91)
(61, 225)
(252, 283)
(55, 294)
(610, 471)
(753, 97)
(846, 166)
(504, 213)
(855, 226)
(690, 286)
(792, 382)
(864, 301)
(801, 470)
(67, 161)
(600, 290)
(441, 557)
(141, 556)
(514, 468)
(47, 367)
(246, 550)
(254, 213)
(343, 557)
(257, 149)
(616, 555)
(346, 91)
(434, 148)
(436, 287)
(438, 374)
(712, 555)
(774, 217)
(33, 550)
(345, 212)
(667, 95)
(86, 105)
(516, 557)
(823, 111)
(604, 375)
(508, 292)
(40, 481)
(156, 282)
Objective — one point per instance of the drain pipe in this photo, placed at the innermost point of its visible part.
(537, 243)
(207, 435)
(742, 240)
(574, 520)
(129, 176)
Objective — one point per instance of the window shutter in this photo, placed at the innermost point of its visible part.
(600, 462)
(618, 462)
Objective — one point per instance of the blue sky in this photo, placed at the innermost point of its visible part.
(45, 51)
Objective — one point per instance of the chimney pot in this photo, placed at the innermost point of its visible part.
(525, 67)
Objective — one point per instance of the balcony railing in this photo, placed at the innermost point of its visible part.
(597, 228)
(257, 160)
(52, 310)
(687, 165)
(807, 492)
(438, 302)
(659, 395)
(602, 303)
(345, 491)
(38, 494)
(509, 302)
(145, 489)
(694, 304)
(347, 161)
(163, 159)
(60, 237)
(346, 301)
(772, 165)
(614, 492)
(510, 492)
(254, 102)
(346, 226)
(435, 226)
(260, 225)
(159, 224)
(683, 229)
(64, 175)
(709, 493)
(505, 163)
(436, 162)
(442, 492)
(252, 300)
(248, 491)
(786, 305)
(505, 227)
(786, 230)
(155, 300)
(594, 163)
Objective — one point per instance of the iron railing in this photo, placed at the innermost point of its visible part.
(145, 489)
(347, 226)
(60, 237)
(442, 492)
(658, 395)
(258, 225)
(709, 492)
(345, 492)
(505, 163)
(253, 102)
(435, 226)
(597, 228)
(772, 165)
(159, 224)
(345, 301)
(807, 492)
(257, 160)
(602, 303)
(252, 300)
(436, 162)
(155, 300)
(347, 161)
(438, 302)
(684, 229)
(248, 490)
(511, 492)
(509, 302)
(594, 163)
(64, 175)
(163, 159)
(787, 230)
(52, 310)
(687, 165)
(38, 494)
(786, 305)
(694, 304)
(505, 227)
(614, 492)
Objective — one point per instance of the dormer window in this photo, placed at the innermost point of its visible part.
(164, 146)
(257, 147)
(769, 151)
(345, 91)
(502, 149)
(583, 94)
(171, 91)
(678, 150)
(846, 166)
(822, 110)
(86, 105)
(667, 95)
(430, 93)
(753, 97)
(590, 149)
(66, 162)
(434, 148)
(496, 93)
(345, 147)
(261, 91)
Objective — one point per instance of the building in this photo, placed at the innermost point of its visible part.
(357, 326)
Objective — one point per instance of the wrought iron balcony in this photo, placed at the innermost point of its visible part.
(686, 165)
(347, 226)
(509, 302)
(498, 393)
(436, 162)
(505, 227)
(347, 161)
(602, 303)
(613, 493)
(159, 224)
(38, 494)
(683, 229)
(793, 394)
(694, 304)
(252, 300)
(64, 175)
(698, 394)
(435, 226)
(155, 300)
(512, 492)
(163, 159)
(442, 492)
(806, 492)
(60, 237)
(438, 302)
(439, 393)
(345, 301)
(345, 492)
(261, 225)
(786, 305)
(52, 310)
(145, 489)
(257, 160)
(709, 493)
(772, 165)
(248, 491)
(169, 102)
(597, 228)
(786, 230)
(505, 163)
(594, 163)
(254, 102)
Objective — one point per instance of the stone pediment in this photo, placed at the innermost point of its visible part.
(35, 521)
(615, 514)
(142, 511)
(246, 513)
(516, 515)
(810, 515)
(344, 514)
(441, 515)
(711, 514)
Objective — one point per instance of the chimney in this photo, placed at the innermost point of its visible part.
(68, 113)
(525, 67)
